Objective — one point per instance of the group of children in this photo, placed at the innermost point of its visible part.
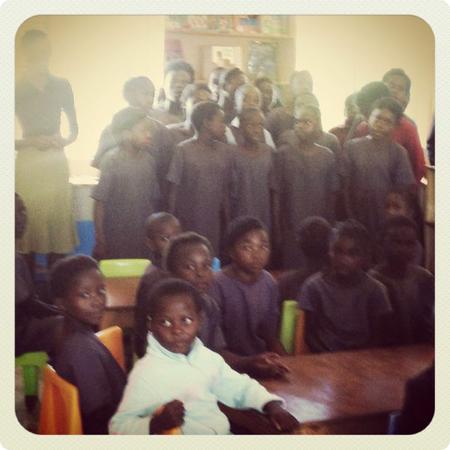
(255, 188)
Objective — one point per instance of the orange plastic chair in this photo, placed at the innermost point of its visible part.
(112, 339)
(60, 406)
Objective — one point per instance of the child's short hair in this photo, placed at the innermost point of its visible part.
(65, 270)
(246, 113)
(203, 111)
(174, 246)
(157, 218)
(191, 89)
(368, 94)
(397, 222)
(313, 236)
(126, 119)
(133, 85)
(169, 287)
(240, 226)
(397, 72)
(179, 64)
(390, 104)
(32, 36)
(355, 230)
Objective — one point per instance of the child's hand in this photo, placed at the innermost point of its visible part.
(268, 365)
(280, 418)
(171, 416)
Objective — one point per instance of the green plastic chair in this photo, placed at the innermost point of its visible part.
(122, 268)
(289, 314)
(31, 363)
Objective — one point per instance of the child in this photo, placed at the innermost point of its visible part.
(230, 80)
(200, 174)
(344, 307)
(249, 296)
(269, 94)
(313, 240)
(410, 287)
(189, 257)
(307, 182)
(185, 377)
(374, 165)
(80, 357)
(252, 182)
(246, 96)
(214, 82)
(159, 229)
(128, 191)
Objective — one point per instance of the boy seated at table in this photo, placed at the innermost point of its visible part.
(344, 307)
(181, 374)
(80, 357)
(410, 287)
(160, 227)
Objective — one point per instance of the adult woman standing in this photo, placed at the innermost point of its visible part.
(42, 173)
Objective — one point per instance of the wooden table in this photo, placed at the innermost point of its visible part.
(120, 302)
(342, 393)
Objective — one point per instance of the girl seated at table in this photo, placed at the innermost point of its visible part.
(188, 379)
(79, 290)
(345, 308)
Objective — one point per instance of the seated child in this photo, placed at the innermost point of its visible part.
(313, 238)
(344, 307)
(248, 295)
(189, 257)
(181, 374)
(159, 229)
(252, 173)
(127, 192)
(79, 290)
(410, 287)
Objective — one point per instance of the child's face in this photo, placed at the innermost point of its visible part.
(252, 128)
(198, 96)
(176, 323)
(161, 234)
(306, 126)
(395, 205)
(216, 125)
(86, 297)
(251, 252)
(400, 244)
(175, 82)
(144, 97)
(346, 257)
(397, 86)
(141, 135)
(381, 123)
(194, 265)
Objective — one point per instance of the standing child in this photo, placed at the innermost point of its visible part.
(230, 80)
(374, 165)
(307, 182)
(78, 288)
(252, 175)
(410, 287)
(185, 377)
(200, 174)
(128, 191)
(159, 229)
(344, 307)
(248, 294)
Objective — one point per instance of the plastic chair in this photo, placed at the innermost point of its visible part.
(30, 364)
(289, 313)
(112, 339)
(60, 406)
(122, 268)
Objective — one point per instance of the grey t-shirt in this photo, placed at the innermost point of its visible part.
(202, 177)
(252, 181)
(341, 317)
(250, 312)
(128, 187)
(373, 168)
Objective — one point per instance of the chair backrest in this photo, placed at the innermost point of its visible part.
(122, 268)
(60, 406)
(112, 339)
(287, 326)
